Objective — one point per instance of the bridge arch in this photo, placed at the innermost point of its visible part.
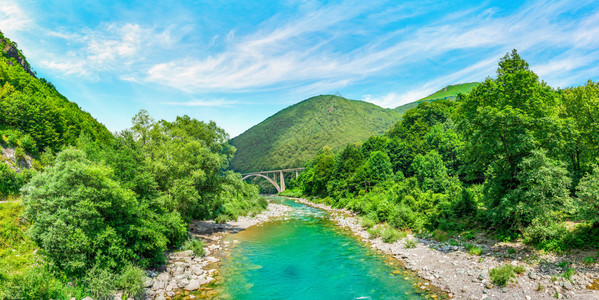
(265, 177)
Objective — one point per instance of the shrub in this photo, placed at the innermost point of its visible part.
(501, 275)
(194, 244)
(83, 219)
(99, 282)
(130, 281)
(519, 270)
(410, 243)
(376, 231)
(440, 236)
(473, 249)
(391, 235)
(589, 260)
(367, 222)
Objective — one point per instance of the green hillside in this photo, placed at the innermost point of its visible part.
(295, 134)
(32, 113)
(449, 92)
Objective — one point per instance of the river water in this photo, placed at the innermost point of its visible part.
(306, 256)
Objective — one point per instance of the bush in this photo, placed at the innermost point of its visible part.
(367, 222)
(410, 243)
(34, 283)
(473, 249)
(501, 275)
(391, 235)
(589, 260)
(99, 283)
(130, 281)
(194, 244)
(83, 219)
(376, 231)
(440, 236)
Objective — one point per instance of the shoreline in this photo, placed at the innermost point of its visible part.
(466, 276)
(186, 276)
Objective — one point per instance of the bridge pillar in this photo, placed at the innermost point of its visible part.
(282, 185)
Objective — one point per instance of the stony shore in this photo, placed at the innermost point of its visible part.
(187, 276)
(464, 276)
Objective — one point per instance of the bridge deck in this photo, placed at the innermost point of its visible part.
(274, 171)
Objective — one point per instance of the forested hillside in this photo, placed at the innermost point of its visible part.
(88, 209)
(515, 158)
(292, 136)
(449, 92)
(35, 119)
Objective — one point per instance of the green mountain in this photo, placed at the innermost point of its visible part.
(33, 114)
(290, 137)
(449, 92)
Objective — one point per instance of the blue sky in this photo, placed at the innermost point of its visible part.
(238, 62)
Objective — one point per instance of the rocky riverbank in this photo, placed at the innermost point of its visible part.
(187, 276)
(450, 267)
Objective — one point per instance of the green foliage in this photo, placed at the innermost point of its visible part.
(130, 281)
(194, 244)
(410, 243)
(502, 274)
(367, 222)
(82, 218)
(473, 249)
(449, 92)
(589, 260)
(296, 134)
(588, 193)
(391, 235)
(440, 236)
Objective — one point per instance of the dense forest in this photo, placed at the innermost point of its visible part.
(96, 208)
(292, 136)
(514, 158)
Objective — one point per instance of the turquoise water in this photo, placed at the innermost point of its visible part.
(307, 257)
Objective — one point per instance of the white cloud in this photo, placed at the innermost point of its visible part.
(112, 47)
(281, 54)
(13, 18)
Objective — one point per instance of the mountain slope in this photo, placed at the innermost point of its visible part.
(290, 137)
(449, 92)
(33, 114)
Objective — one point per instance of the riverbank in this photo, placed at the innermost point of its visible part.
(187, 276)
(465, 276)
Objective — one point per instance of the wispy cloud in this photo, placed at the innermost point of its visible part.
(112, 47)
(13, 18)
(207, 103)
(301, 50)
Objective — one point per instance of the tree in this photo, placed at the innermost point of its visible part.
(503, 121)
(542, 192)
(83, 219)
(588, 193)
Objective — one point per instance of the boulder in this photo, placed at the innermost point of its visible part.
(193, 285)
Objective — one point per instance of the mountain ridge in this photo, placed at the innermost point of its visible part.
(304, 128)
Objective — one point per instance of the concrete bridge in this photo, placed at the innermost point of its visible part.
(280, 186)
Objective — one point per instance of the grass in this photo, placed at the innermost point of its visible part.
(502, 274)
(589, 260)
(410, 243)
(474, 250)
(375, 232)
(391, 235)
(367, 222)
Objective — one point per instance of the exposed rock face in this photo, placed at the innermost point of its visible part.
(9, 51)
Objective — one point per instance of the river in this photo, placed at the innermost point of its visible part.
(305, 256)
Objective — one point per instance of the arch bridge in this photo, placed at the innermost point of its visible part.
(280, 186)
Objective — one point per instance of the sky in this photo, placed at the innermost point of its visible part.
(238, 62)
